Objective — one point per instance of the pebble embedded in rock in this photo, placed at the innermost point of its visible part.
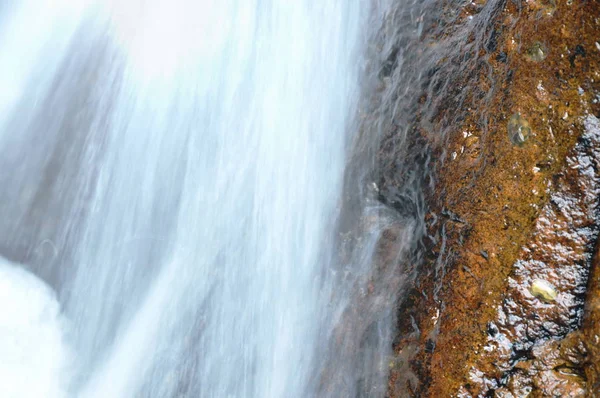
(518, 129)
(543, 290)
(537, 52)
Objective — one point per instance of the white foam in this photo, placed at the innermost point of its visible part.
(33, 356)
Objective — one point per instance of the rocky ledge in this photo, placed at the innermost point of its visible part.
(507, 301)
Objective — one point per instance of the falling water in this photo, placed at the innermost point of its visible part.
(177, 173)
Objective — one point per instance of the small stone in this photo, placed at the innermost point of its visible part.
(518, 129)
(543, 290)
(537, 52)
(549, 7)
(471, 141)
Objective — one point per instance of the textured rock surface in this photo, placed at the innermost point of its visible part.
(503, 215)
(591, 328)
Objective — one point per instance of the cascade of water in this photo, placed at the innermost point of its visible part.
(213, 137)
(31, 342)
(177, 175)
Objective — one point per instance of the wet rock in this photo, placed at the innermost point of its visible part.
(591, 324)
(533, 211)
(554, 267)
(519, 385)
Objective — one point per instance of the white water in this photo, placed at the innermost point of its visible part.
(189, 158)
(35, 359)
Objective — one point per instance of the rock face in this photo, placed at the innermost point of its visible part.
(591, 328)
(536, 312)
(507, 301)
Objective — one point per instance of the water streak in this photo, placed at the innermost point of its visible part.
(177, 175)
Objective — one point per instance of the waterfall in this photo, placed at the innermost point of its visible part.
(178, 173)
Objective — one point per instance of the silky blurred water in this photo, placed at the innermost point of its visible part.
(174, 171)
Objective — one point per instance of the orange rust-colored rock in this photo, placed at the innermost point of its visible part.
(488, 209)
(591, 328)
